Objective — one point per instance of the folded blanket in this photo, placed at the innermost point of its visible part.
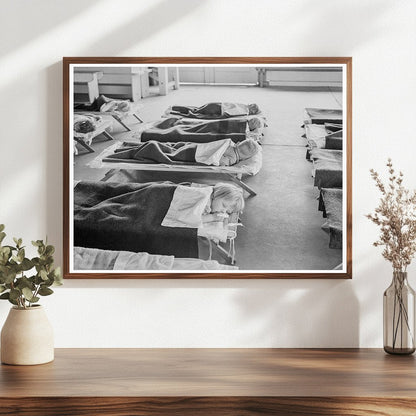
(128, 217)
(330, 202)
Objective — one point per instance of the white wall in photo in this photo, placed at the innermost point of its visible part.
(380, 36)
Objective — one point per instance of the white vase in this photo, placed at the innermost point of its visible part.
(27, 337)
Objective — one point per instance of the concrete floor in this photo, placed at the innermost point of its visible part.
(282, 226)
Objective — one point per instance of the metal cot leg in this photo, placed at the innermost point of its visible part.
(239, 182)
(121, 122)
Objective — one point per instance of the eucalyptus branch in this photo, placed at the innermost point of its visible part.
(16, 283)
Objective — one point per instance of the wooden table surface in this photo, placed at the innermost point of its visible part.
(212, 382)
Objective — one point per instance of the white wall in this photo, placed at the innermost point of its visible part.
(380, 36)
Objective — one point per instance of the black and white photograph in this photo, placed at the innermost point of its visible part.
(213, 169)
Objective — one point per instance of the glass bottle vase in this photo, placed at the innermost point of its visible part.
(399, 316)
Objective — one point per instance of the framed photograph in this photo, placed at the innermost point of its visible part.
(207, 167)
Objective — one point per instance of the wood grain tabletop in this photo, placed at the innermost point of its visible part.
(231, 381)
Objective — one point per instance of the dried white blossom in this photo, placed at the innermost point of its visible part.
(396, 217)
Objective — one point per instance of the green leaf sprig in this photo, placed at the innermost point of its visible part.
(16, 285)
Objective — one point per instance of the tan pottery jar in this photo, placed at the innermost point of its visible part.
(27, 337)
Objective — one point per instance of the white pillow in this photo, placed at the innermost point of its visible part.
(187, 206)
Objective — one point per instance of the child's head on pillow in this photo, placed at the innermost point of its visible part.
(253, 109)
(235, 153)
(227, 198)
(254, 123)
(85, 123)
(123, 106)
(246, 149)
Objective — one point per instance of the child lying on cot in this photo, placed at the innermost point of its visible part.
(133, 216)
(233, 125)
(215, 110)
(199, 206)
(197, 131)
(105, 104)
(85, 123)
(226, 198)
(218, 153)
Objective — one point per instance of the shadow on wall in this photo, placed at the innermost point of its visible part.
(285, 313)
(290, 313)
(157, 18)
(39, 15)
(347, 23)
(160, 15)
(54, 144)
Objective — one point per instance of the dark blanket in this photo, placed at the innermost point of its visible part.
(212, 110)
(330, 203)
(154, 152)
(328, 168)
(204, 126)
(333, 142)
(333, 139)
(114, 216)
(333, 127)
(177, 130)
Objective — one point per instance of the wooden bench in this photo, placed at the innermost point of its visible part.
(123, 82)
(88, 79)
(299, 76)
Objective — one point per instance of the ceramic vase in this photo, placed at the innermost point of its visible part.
(27, 337)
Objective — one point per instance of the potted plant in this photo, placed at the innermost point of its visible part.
(27, 336)
(396, 217)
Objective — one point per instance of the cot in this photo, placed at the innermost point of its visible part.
(129, 216)
(214, 110)
(327, 168)
(95, 259)
(322, 115)
(197, 131)
(119, 116)
(178, 128)
(330, 203)
(85, 139)
(322, 137)
(248, 167)
(318, 77)
(169, 113)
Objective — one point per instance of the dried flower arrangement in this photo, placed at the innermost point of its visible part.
(396, 217)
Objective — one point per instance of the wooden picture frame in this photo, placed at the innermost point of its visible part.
(329, 76)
